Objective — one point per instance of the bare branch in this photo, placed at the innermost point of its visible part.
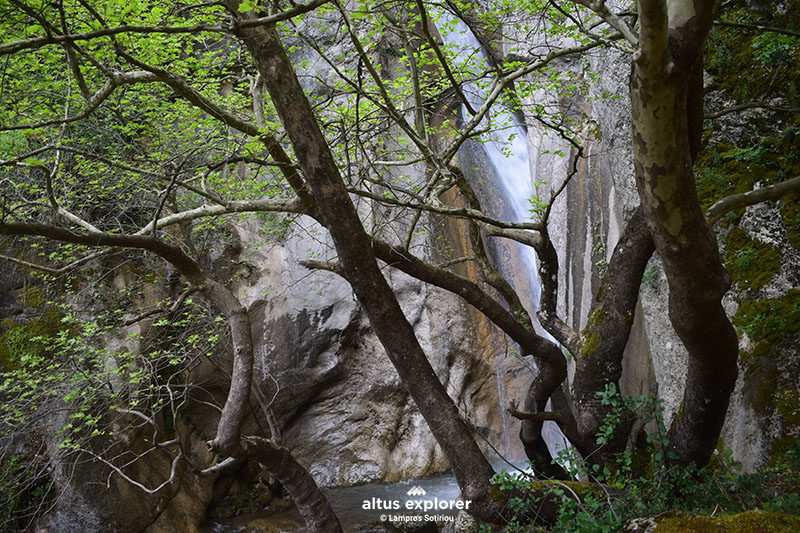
(321, 265)
(262, 205)
(736, 201)
(541, 416)
(224, 466)
(160, 310)
(163, 201)
(133, 412)
(612, 19)
(487, 268)
(456, 212)
(133, 482)
(34, 266)
(758, 27)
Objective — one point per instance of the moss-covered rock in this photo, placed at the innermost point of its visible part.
(790, 214)
(751, 262)
(768, 58)
(749, 522)
(773, 325)
(26, 343)
(768, 321)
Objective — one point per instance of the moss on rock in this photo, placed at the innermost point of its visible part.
(790, 214)
(751, 262)
(750, 522)
(731, 50)
(27, 342)
(768, 321)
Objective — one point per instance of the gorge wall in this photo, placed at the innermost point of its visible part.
(589, 217)
(338, 401)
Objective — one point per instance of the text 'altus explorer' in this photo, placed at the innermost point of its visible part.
(377, 504)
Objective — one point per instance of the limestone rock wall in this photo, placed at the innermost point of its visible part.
(339, 403)
(588, 219)
(338, 400)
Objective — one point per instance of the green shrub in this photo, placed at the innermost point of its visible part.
(608, 497)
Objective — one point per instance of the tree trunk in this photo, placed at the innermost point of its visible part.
(310, 500)
(549, 360)
(603, 340)
(671, 45)
(360, 267)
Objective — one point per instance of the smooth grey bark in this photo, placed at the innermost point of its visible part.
(672, 37)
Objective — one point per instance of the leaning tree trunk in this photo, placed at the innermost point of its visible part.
(298, 482)
(360, 268)
(671, 43)
(603, 340)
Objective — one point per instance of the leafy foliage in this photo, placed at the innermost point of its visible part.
(113, 132)
(611, 497)
(25, 492)
(768, 56)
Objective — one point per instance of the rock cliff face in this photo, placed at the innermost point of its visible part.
(338, 400)
(586, 224)
(588, 218)
(344, 411)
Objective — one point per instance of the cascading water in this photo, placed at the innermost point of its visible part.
(507, 153)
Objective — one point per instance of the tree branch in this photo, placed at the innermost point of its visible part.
(456, 212)
(38, 42)
(34, 266)
(133, 482)
(160, 310)
(758, 27)
(653, 35)
(612, 19)
(321, 265)
(224, 466)
(736, 201)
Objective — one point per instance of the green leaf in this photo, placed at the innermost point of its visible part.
(247, 5)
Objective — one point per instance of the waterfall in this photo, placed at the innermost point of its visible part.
(507, 153)
(506, 150)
